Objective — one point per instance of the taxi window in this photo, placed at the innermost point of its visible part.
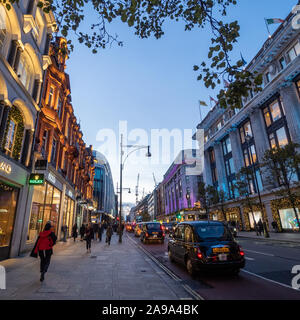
(179, 232)
(188, 234)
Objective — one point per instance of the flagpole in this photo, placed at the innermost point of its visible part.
(200, 112)
(268, 28)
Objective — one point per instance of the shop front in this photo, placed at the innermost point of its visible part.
(69, 212)
(255, 215)
(288, 219)
(8, 205)
(46, 204)
(45, 207)
(13, 198)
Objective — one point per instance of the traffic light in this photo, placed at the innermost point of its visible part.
(178, 216)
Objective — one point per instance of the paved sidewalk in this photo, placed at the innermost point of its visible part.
(285, 237)
(119, 271)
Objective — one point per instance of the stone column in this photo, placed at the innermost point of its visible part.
(236, 150)
(291, 105)
(222, 179)
(207, 178)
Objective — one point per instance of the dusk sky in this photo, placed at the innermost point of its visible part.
(151, 83)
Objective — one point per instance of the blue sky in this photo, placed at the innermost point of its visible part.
(151, 83)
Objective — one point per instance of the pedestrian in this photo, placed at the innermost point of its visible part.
(95, 230)
(88, 237)
(43, 247)
(115, 227)
(260, 227)
(100, 231)
(109, 233)
(82, 232)
(64, 230)
(275, 226)
(75, 231)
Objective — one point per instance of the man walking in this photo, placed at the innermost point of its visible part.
(109, 233)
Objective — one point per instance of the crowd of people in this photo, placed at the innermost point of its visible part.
(88, 232)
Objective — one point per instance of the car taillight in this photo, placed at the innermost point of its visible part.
(147, 235)
(199, 254)
(241, 252)
(164, 235)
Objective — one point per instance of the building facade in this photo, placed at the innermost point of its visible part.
(60, 154)
(103, 193)
(178, 192)
(25, 33)
(236, 138)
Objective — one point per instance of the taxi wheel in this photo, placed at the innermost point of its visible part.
(235, 272)
(190, 268)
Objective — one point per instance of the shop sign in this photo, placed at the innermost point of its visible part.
(70, 194)
(36, 179)
(5, 167)
(41, 164)
(51, 178)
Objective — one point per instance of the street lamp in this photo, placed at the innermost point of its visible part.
(266, 233)
(136, 147)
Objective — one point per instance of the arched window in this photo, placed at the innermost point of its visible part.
(14, 133)
(2, 26)
(25, 71)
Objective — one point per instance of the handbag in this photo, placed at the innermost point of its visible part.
(33, 254)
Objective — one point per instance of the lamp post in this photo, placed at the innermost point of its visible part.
(136, 147)
(266, 233)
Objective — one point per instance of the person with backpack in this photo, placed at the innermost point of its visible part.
(43, 247)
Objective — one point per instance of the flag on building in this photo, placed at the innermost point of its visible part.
(243, 60)
(202, 103)
(274, 20)
(212, 99)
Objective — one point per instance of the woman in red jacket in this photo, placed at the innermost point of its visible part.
(43, 247)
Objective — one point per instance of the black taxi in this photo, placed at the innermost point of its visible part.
(152, 231)
(206, 245)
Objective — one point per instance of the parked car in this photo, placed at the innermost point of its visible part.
(205, 245)
(152, 231)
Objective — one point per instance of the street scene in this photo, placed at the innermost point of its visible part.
(149, 150)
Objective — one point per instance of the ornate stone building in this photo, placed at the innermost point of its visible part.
(25, 32)
(239, 138)
(67, 193)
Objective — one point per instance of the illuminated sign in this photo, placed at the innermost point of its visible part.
(36, 179)
(51, 178)
(5, 167)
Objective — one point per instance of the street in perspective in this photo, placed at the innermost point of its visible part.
(170, 171)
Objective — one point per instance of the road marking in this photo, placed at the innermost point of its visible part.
(265, 254)
(273, 281)
(169, 272)
(250, 259)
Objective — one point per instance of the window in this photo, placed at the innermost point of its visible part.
(59, 107)
(245, 130)
(24, 72)
(44, 142)
(2, 26)
(226, 146)
(10, 136)
(282, 63)
(51, 94)
(53, 152)
(179, 233)
(294, 51)
(268, 77)
(188, 234)
(273, 112)
(278, 138)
